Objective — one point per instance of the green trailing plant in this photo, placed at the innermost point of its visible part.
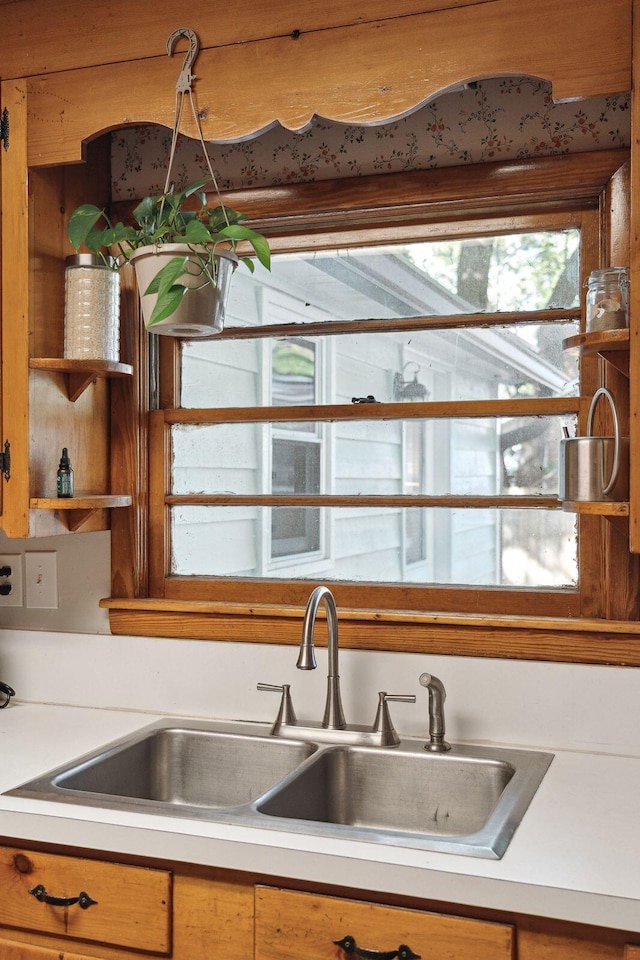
(164, 219)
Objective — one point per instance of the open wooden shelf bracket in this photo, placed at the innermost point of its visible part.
(80, 374)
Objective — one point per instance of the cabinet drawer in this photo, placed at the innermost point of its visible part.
(131, 908)
(291, 925)
(23, 951)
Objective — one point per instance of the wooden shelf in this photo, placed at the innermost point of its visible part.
(601, 508)
(75, 510)
(80, 374)
(611, 344)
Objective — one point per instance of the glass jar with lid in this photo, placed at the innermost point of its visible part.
(608, 299)
(91, 309)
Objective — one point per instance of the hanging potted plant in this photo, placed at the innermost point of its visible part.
(184, 258)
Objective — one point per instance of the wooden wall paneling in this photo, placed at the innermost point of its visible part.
(55, 421)
(338, 73)
(129, 469)
(46, 263)
(66, 41)
(620, 574)
(617, 213)
(159, 486)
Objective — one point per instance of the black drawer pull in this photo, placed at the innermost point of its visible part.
(350, 947)
(83, 899)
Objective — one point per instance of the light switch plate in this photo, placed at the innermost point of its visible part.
(41, 580)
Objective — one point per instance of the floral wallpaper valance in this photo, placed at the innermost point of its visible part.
(497, 119)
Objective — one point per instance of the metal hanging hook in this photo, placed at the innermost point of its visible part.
(186, 77)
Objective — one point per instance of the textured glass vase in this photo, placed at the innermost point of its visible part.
(91, 309)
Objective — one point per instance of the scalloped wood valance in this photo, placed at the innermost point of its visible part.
(366, 72)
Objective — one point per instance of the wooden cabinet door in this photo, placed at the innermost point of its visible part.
(14, 246)
(291, 925)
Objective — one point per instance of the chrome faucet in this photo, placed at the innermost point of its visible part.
(333, 718)
(333, 728)
(437, 695)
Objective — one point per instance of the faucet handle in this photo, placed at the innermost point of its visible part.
(286, 713)
(383, 723)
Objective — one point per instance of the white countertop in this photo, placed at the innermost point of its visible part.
(574, 856)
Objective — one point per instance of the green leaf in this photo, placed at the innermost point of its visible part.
(197, 232)
(167, 276)
(167, 303)
(146, 210)
(81, 222)
(195, 187)
(118, 234)
(218, 220)
(261, 246)
(94, 240)
(257, 241)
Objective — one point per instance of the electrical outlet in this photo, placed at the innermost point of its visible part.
(41, 580)
(14, 580)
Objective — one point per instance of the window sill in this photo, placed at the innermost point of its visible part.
(565, 640)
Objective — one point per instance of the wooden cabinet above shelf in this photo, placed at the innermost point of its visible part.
(80, 374)
(611, 344)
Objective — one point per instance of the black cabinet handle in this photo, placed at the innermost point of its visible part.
(351, 948)
(83, 899)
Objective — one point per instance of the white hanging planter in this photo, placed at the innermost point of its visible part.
(202, 309)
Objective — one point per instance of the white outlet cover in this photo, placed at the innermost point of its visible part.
(16, 597)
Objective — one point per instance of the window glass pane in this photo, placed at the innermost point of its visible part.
(524, 271)
(471, 456)
(482, 547)
(487, 277)
(293, 372)
(526, 360)
(295, 468)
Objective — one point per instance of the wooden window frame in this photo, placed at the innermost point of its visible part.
(488, 621)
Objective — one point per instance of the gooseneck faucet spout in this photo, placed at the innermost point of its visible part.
(333, 714)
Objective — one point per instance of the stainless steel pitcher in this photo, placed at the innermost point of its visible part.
(595, 468)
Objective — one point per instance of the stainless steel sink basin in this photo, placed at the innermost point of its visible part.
(469, 800)
(417, 792)
(195, 767)
(176, 765)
